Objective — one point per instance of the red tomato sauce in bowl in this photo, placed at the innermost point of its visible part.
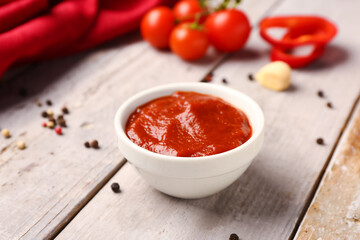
(188, 124)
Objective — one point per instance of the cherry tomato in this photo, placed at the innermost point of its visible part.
(188, 43)
(185, 11)
(156, 26)
(228, 30)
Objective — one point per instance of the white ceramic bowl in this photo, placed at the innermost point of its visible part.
(191, 177)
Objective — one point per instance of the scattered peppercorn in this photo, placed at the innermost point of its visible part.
(48, 102)
(251, 77)
(329, 105)
(52, 120)
(43, 124)
(65, 110)
(23, 92)
(224, 81)
(61, 122)
(115, 187)
(58, 130)
(21, 145)
(60, 117)
(44, 114)
(6, 133)
(94, 144)
(320, 141)
(233, 236)
(39, 104)
(320, 93)
(50, 124)
(87, 144)
(50, 112)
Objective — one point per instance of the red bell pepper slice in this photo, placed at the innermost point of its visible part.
(278, 54)
(301, 30)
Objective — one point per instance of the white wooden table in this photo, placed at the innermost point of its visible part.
(295, 188)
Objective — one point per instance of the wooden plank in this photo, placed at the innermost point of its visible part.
(335, 211)
(266, 202)
(44, 186)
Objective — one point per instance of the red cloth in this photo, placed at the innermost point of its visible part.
(41, 29)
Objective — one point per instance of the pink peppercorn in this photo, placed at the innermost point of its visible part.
(43, 124)
(58, 130)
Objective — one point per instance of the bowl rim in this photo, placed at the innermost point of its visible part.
(173, 87)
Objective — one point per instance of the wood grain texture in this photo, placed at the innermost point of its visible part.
(335, 211)
(266, 202)
(44, 186)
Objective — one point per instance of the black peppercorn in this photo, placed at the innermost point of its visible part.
(61, 122)
(51, 119)
(94, 144)
(115, 187)
(233, 236)
(320, 93)
(44, 114)
(320, 141)
(65, 110)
